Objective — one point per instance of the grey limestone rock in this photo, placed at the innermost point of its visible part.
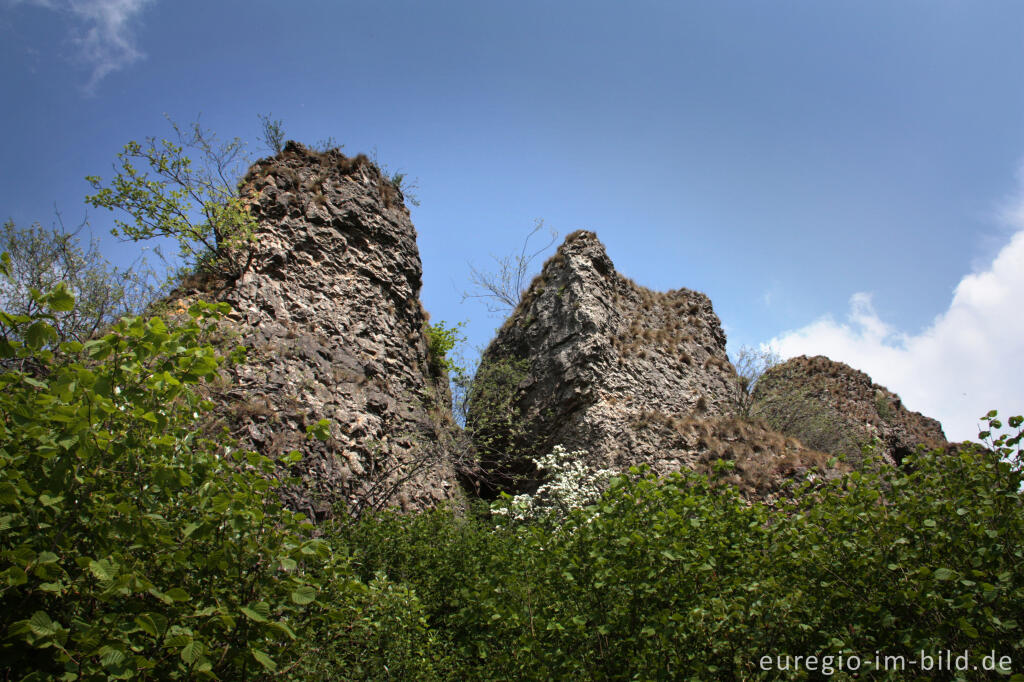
(329, 309)
(598, 357)
(594, 362)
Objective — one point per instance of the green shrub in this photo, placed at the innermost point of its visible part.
(441, 339)
(680, 578)
(193, 201)
(133, 548)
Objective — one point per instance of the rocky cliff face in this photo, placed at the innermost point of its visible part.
(833, 407)
(592, 361)
(329, 309)
(328, 306)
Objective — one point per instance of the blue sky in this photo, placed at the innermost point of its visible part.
(840, 178)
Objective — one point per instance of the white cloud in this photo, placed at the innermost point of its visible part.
(102, 32)
(970, 360)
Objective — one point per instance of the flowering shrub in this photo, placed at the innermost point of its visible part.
(681, 578)
(570, 484)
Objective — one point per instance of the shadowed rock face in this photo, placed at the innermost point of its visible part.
(832, 407)
(329, 309)
(630, 375)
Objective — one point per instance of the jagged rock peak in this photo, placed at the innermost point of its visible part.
(586, 356)
(300, 169)
(833, 407)
(329, 309)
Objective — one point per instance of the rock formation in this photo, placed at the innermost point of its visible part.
(329, 310)
(592, 361)
(832, 407)
(328, 306)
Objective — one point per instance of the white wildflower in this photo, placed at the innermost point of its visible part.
(569, 484)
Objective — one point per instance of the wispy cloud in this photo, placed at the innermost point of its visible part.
(968, 361)
(102, 31)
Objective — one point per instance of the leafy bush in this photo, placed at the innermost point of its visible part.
(569, 484)
(678, 578)
(441, 339)
(803, 413)
(493, 421)
(134, 548)
(41, 258)
(192, 202)
(750, 364)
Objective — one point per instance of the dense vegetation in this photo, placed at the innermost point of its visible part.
(133, 546)
(135, 542)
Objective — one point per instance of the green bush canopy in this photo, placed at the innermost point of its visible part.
(138, 543)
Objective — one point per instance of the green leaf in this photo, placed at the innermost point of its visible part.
(321, 430)
(16, 576)
(148, 624)
(177, 594)
(263, 659)
(111, 657)
(38, 334)
(283, 628)
(8, 493)
(41, 625)
(48, 501)
(968, 629)
(303, 595)
(60, 299)
(103, 569)
(191, 652)
(257, 612)
(944, 574)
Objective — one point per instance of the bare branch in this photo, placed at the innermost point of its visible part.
(504, 287)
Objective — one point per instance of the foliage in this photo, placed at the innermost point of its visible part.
(1007, 445)
(441, 339)
(679, 578)
(196, 204)
(271, 133)
(399, 181)
(41, 258)
(750, 365)
(407, 188)
(492, 415)
(802, 413)
(883, 407)
(135, 545)
(502, 289)
(803, 410)
(134, 548)
(569, 484)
